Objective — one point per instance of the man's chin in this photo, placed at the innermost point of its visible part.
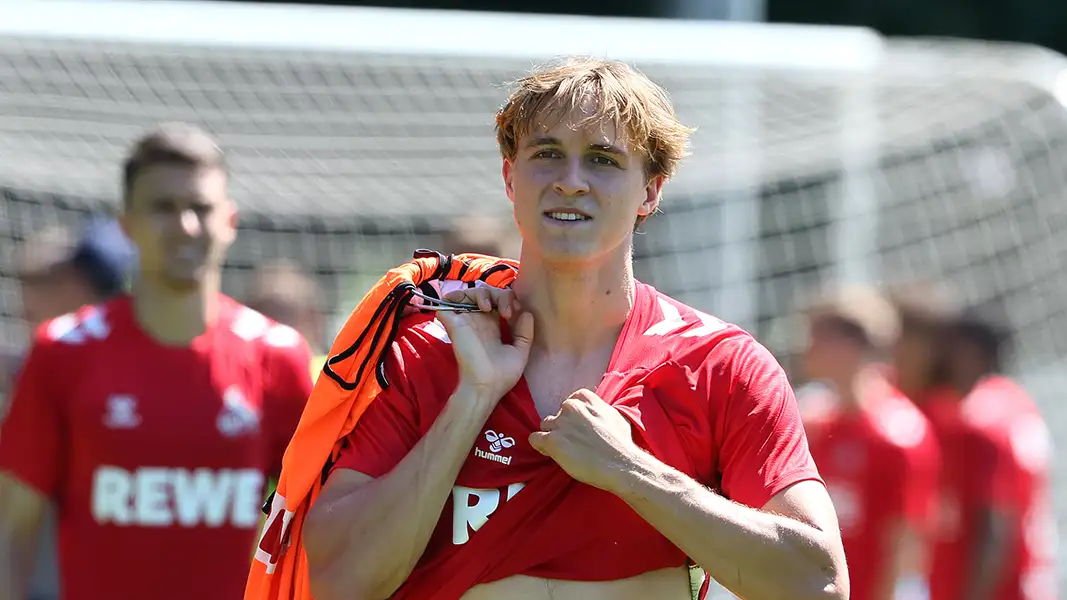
(185, 284)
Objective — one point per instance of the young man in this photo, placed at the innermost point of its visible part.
(918, 355)
(998, 534)
(59, 273)
(153, 420)
(680, 431)
(874, 448)
(284, 292)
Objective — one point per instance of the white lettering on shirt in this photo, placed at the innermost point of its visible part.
(165, 497)
(471, 509)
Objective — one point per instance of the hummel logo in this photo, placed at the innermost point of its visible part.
(497, 442)
(122, 412)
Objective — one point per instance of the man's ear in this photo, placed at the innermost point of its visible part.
(507, 169)
(233, 218)
(653, 194)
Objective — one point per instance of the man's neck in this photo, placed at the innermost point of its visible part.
(578, 310)
(175, 318)
(964, 383)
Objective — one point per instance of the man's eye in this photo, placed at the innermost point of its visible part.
(546, 154)
(605, 161)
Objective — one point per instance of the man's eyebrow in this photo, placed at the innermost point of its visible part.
(609, 148)
(547, 140)
(543, 140)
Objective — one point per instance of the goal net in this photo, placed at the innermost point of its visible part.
(358, 135)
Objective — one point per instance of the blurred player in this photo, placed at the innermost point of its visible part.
(58, 273)
(918, 356)
(998, 533)
(153, 420)
(689, 447)
(284, 292)
(873, 447)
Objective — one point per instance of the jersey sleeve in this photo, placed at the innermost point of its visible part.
(389, 428)
(993, 473)
(287, 388)
(763, 447)
(32, 434)
(919, 504)
(908, 481)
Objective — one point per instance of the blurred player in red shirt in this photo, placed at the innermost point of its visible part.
(153, 420)
(613, 437)
(873, 447)
(997, 533)
(59, 273)
(918, 366)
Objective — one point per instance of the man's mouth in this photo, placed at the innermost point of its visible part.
(567, 215)
(188, 253)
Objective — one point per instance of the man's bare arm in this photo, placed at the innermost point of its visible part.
(364, 536)
(789, 549)
(21, 509)
(989, 554)
(905, 564)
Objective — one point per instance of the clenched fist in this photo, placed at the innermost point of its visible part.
(588, 439)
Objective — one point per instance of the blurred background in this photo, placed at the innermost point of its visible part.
(859, 141)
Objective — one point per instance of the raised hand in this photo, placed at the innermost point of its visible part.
(485, 361)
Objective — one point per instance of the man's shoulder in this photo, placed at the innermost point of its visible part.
(1000, 414)
(994, 405)
(691, 336)
(85, 329)
(899, 424)
(247, 326)
(422, 338)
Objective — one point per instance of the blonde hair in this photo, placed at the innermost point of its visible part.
(864, 308)
(638, 107)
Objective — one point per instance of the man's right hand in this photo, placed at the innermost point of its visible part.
(486, 363)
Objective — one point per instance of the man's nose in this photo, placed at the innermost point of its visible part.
(572, 179)
(189, 223)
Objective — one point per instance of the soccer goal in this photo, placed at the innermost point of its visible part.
(357, 135)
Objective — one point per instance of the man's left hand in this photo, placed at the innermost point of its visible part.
(588, 438)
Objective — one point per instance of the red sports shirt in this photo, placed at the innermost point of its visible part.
(702, 395)
(997, 452)
(155, 455)
(881, 466)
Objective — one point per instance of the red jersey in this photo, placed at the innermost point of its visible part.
(997, 452)
(880, 464)
(702, 396)
(152, 452)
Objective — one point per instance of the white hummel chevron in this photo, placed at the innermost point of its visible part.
(672, 320)
(709, 326)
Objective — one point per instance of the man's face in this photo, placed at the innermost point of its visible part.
(577, 192)
(916, 355)
(831, 354)
(181, 221)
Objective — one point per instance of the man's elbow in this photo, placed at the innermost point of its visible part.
(830, 582)
(833, 588)
(334, 583)
(828, 572)
(338, 570)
